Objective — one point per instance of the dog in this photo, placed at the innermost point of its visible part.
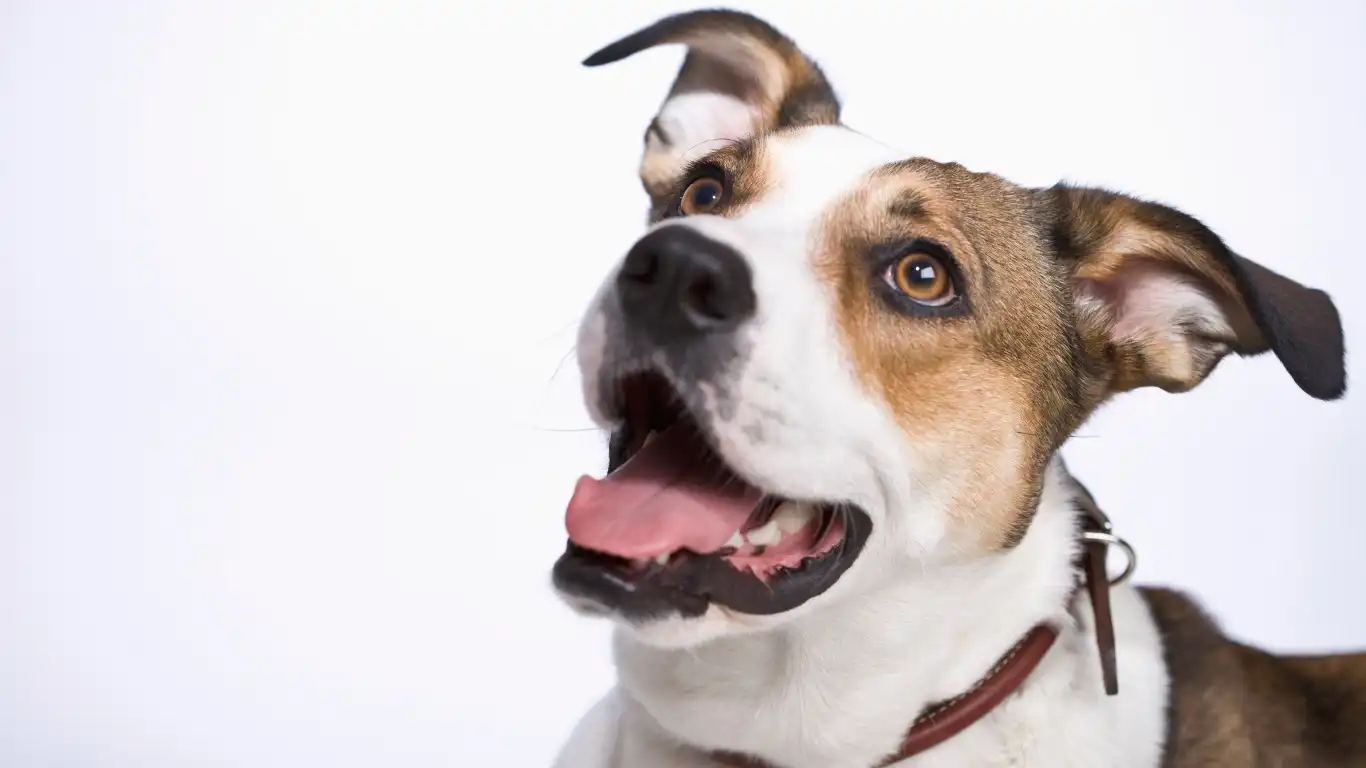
(836, 531)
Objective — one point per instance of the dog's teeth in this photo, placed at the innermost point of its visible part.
(765, 534)
(649, 438)
(793, 516)
(662, 558)
(736, 541)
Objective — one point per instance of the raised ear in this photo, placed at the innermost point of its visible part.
(740, 77)
(1161, 299)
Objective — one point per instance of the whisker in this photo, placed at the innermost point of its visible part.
(723, 139)
(566, 325)
(560, 365)
(566, 429)
(1069, 437)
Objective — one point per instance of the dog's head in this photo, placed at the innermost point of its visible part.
(824, 361)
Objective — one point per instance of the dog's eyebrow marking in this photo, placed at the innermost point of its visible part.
(908, 205)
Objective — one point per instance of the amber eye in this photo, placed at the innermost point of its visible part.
(922, 278)
(701, 196)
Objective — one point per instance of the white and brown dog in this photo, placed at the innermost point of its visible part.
(836, 532)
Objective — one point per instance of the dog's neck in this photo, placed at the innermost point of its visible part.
(842, 685)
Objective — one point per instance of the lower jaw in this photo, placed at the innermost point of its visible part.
(689, 583)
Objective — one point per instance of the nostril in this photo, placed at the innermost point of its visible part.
(717, 292)
(704, 297)
(641, 266)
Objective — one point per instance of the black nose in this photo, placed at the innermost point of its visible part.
(677, 283)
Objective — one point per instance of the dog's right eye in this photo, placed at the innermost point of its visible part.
(701, 196)
(919, 278)
(922, 278)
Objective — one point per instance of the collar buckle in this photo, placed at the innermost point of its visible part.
(1097, 536)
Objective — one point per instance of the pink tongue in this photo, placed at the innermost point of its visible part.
(673, 494)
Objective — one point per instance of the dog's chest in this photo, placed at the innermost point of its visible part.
(851, 709)
(1029, 732)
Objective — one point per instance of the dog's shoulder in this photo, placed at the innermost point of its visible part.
(1232, 704)
(1333, 693)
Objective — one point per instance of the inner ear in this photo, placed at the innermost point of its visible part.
(740, 77)
(1164, 328)
(1161, 299)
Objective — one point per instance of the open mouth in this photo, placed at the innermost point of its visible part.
(672, 528)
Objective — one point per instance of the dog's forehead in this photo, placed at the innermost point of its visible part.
(808, 171)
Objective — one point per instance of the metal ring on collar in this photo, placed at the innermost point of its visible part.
(1109, 539)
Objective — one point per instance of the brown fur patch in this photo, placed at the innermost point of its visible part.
(1231, 704)
(985, 396)
(781, 87)
(747, 179)
(733, 54)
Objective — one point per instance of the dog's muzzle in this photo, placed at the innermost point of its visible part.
(673, 527)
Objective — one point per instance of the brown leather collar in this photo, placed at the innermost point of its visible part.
(949, 718)
(946, 719)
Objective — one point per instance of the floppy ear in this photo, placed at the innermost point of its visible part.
(740, 77)
(1160, 299)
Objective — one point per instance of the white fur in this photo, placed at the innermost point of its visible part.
(699, 123)
(836, 682)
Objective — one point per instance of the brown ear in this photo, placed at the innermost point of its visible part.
(1161, 300)
(740, 77)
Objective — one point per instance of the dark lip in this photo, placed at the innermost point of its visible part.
(690, 581)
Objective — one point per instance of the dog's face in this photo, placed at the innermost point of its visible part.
(825, 362)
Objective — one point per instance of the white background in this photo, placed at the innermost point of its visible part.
(289, 290)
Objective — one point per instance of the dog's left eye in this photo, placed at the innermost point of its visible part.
(701, 196)
(922, 278)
